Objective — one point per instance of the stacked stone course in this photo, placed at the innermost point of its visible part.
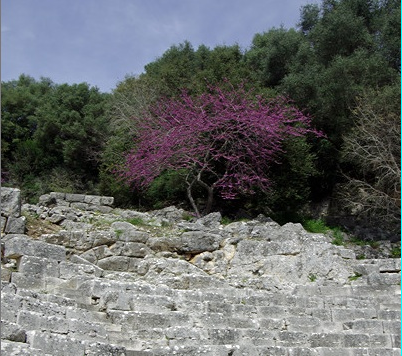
(166, 286)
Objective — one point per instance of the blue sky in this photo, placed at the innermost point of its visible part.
(102, 41)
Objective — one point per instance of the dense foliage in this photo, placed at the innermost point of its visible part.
(225, 141)
(340, 66)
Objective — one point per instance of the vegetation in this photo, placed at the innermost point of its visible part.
(339, 68)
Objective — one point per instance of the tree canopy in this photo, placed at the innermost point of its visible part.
(222, 140)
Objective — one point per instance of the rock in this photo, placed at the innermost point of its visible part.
(10, 202)
(129, 233)
(15, 225)
(16, 246)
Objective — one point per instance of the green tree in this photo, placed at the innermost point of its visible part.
(19, 102)
(72, 128)
(271, 54)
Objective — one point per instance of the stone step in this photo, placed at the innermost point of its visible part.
(77, 328)
(10, 348)
(64, 345)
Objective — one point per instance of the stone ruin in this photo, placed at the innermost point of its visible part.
(107, 281)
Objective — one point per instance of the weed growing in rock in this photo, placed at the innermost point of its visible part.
(355, 277)
(136, 221)
(315, 226)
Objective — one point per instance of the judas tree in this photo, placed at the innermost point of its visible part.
(224, 141)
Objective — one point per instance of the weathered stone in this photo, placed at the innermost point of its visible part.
(12, 332)
(75, 197)
(114, 263)
(10, 202)
(130, 249)
(47, 200)
(129, 233)
(197, 242)
(21, 245)
(15, 225)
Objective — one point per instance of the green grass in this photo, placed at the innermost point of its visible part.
(396, 252)
(312, 277)
(315, 226)
(136, 221)
(318, 226)
(355, 277)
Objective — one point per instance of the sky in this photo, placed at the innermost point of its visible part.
(102, 41)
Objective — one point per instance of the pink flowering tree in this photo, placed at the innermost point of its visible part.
(224, 141)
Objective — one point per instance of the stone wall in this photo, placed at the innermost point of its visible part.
(123, 282)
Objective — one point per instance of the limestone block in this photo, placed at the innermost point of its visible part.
(97, 348)
(92, 199)
(197, 242)
(10, 202)
(15, 225)
(97, 253)
(130, 249)
(127, 232)
(224, 336)
(212, 220)
(75, 198)
(69, 270)
(80, 206)
(99, 208)
(98, 272)
(32, 265)
(55, 344)
(47, 200)
(58, 195)
(13, 332)
(28, 281)
(36, 321)
(114, 263)
(18, 245)
(109, 201)
(99, 238)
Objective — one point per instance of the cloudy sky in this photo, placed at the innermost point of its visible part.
(101, 41)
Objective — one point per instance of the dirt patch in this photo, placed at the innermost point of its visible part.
(36, 227)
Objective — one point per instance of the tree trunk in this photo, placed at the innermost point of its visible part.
(191, 199)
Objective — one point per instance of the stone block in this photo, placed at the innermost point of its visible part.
(224, 336)
(128, 233)
(13, 332)
(37, 321)
(114, 263)
(99, 238)
(28, 281)
(303, 324)
(55, 344)
(97, 271)
(10, 202)
(197, 242)
(69, 270)
(18, 245)
(326, 340)
(292, 339)
(98, 348)
(104, 200)
(75, 198)
(43, 267)
(356, 340)
(130, 249)
(92, 199)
